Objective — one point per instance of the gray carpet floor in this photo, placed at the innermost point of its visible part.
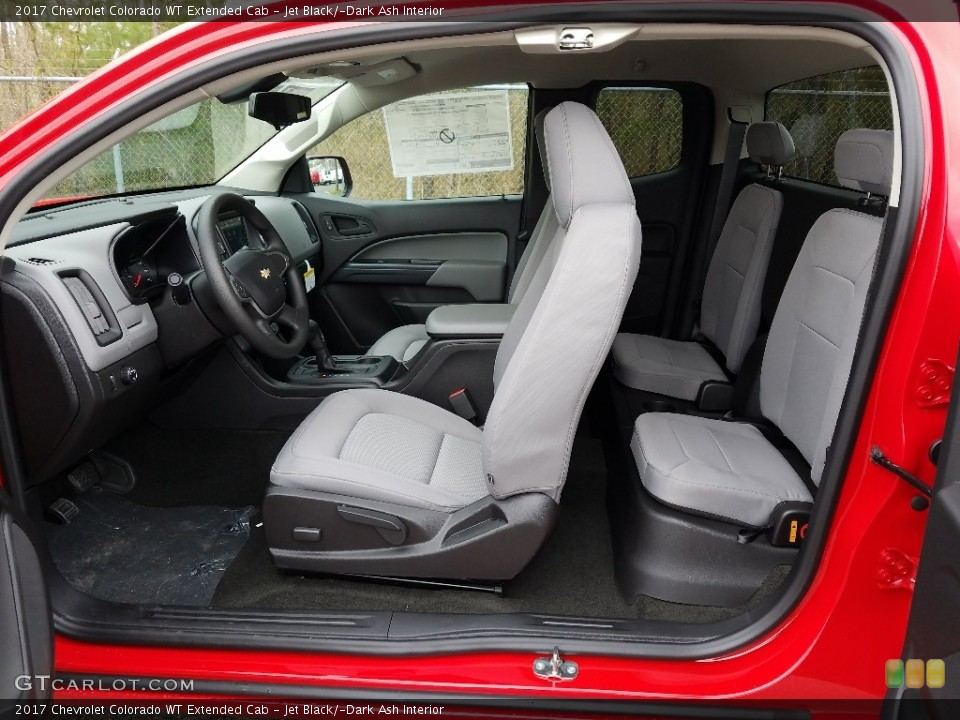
(571, 575)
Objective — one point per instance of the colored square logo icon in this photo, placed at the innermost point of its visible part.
(894, 673)
(914, 673)
(936, 674)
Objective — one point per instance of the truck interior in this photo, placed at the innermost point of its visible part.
(609, 400)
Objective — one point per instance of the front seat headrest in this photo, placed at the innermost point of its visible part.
(587, 171)
(769, 143)
(863, 160)
(538, 131)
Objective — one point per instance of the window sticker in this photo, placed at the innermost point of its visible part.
(450, 133)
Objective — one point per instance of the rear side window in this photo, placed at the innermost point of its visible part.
(818, 110)
(646, 126)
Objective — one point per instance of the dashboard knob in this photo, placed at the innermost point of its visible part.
(128, 375)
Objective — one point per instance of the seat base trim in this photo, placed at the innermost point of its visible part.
(487, 540)
(671, 555)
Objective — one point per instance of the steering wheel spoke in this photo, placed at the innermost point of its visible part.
(292, 317)
(258, 288)
(238, 287)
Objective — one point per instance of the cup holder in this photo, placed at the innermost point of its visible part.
(658, 406)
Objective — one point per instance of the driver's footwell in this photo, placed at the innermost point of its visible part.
(121, 551)
(571, 575)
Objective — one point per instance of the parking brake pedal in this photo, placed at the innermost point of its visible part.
(63, 511)
(83, 477)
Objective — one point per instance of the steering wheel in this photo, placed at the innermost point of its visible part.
(258, 288)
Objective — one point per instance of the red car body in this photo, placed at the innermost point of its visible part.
(854, 614)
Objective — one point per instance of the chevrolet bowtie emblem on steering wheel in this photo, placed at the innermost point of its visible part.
(265, 273)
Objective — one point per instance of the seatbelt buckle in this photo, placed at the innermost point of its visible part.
(461, 404)
(788, 524)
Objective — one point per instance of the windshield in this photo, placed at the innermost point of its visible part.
(197, 145)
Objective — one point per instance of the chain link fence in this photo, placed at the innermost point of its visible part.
(200, 144)
(196, 146)
(24, 93)
(646, 126)
(817, 111)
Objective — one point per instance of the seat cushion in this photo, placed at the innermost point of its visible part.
(380, 445)
(721, 469)
(668, 367)
(401, 343)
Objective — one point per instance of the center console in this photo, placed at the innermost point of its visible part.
(446, 323)
(322, 368)
(239, 389)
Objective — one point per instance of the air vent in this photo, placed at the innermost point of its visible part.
(41, 261)
(92, 304)
(307, 223)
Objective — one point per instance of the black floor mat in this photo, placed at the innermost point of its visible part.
(125, 552)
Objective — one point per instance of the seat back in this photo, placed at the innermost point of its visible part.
(565, 323)
(730, 307)
(543, 232)
(809, 351)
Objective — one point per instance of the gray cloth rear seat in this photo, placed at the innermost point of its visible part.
(728, 469)
(730, 308)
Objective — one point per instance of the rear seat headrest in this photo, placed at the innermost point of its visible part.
(863, 160)
(769, 143)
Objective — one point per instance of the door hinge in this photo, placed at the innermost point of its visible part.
(555, 667)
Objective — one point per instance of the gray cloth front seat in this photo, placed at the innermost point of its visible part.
(729, 470)
(404, 342)
(376, 482)
(730, 306)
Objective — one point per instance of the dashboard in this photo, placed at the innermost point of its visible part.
(114, 291)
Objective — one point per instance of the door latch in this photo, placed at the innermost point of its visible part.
(555, 667)
(918, 503)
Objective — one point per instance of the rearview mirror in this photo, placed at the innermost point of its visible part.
(330, 175)
(278, 108)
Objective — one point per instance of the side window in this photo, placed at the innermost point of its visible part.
(818, 110)
(646, 126)
(452, 144)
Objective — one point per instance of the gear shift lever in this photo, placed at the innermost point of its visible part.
(318, 345)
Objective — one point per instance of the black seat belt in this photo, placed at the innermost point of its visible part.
(728, 178)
